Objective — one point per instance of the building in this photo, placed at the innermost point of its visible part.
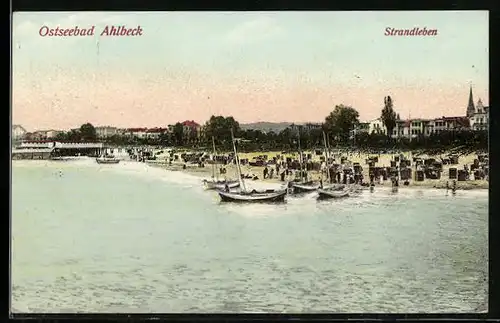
(47, 149)
(105, 131)
(155, 133)
(362, 127)
(304, 128)
(191, 127)
(416, 127)
(44, 134)
(478, 115)
(480, 118)
(470, 106)
(449, 124)
(377, 126)
(312, 126)
(137, 132)
(18, 132)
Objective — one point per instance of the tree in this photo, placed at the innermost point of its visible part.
(220, 127)
(73, 135)
(178, 133)
(388, 116)
(164, 139)
(87, 132)
(61, 136)
(192, 136)
(341, 121)
(285, 138)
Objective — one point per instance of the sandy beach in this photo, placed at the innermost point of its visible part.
(384, 160)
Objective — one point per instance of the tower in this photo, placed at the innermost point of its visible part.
(470, 107)
(479, 106)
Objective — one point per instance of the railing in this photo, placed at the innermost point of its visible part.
(70, 145)
(78, 145)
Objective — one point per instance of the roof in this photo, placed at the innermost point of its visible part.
(32, 150)
(156, 130)
(190, 123)
(14, 126)
(37, 141)
(137, 129)
(103, 127)
(463, 121)
(44, 131)
(60, 141)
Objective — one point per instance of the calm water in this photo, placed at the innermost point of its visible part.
(132, 238)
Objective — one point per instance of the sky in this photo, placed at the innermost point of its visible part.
(255, 66)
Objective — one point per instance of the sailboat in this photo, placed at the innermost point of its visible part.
(107, 159)
(215, 183)
(104, 158)
(331, 191)
(303, 186)
(245, 196)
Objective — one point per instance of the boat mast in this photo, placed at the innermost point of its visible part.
(300, 158)
(326, 158)
(328, 144)
(240, 179)
(214, 173)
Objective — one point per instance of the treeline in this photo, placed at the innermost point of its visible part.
(337, 128)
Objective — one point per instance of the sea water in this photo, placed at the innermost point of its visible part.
(96, 238)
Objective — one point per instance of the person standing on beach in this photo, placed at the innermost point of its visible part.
(282, 175)
(271, 173)
(265, 172)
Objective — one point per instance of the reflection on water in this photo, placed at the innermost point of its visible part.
(133, 238)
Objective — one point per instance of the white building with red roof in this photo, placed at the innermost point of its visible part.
(190, 126)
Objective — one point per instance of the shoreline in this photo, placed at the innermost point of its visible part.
(384, 160)
(206, 173)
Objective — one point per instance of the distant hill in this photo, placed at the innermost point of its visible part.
(266, 126)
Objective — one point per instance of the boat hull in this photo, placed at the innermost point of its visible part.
(107, 161)
(277, 197)
(331, 194)
(304, 188)
(209, 185)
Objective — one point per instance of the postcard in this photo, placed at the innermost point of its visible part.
(250, 162)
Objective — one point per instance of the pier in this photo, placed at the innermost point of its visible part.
(49, 149)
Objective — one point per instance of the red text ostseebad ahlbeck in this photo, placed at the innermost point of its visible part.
(78, 31)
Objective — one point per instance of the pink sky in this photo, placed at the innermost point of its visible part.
(66, 102)
(254, 66)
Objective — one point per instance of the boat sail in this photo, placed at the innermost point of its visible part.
(268, 196)
(215, 183)
(303, 186)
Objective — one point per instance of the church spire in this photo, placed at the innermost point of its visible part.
(470, 107)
